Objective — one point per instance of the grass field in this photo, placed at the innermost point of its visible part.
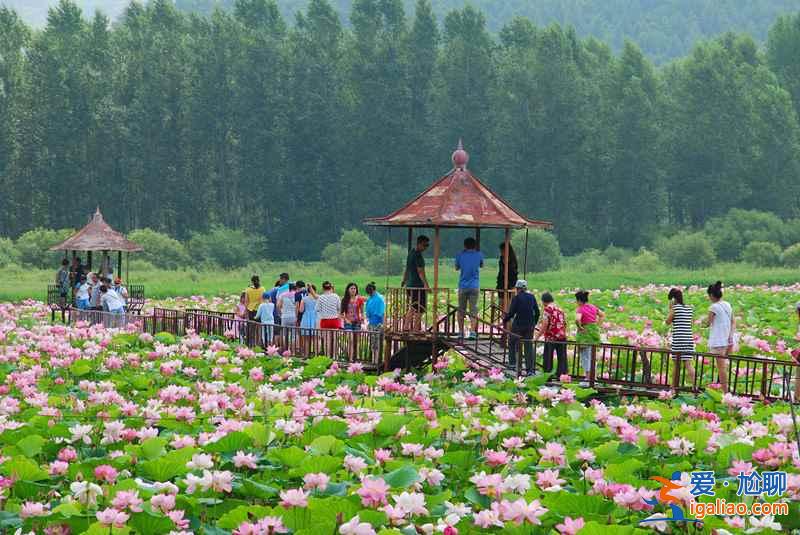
(19, 284)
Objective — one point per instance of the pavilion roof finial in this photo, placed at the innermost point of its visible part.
(460, 156)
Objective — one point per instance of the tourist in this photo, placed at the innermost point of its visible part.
(352, 308)
(111, 301)
(287, 307)
(94, 295)
(327, 308)
(513, 270)
(307, 311)
(62, 279)
(281, 285)
(469, 263)
(720, 338)
(121, 290)
(553, 328)
(328, 316)
(300, 292)
(82, 294)
(587, 317)
(253, 296)
(375, 310)
(240, 313)
(76, 271)
(681, 318)
(416, 283)
(524, 311)
(265, 315)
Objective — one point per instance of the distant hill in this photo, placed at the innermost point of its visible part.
(664, 29)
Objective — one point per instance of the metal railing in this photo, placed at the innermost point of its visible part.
(411, 310)
(625, 368)
(109, 320)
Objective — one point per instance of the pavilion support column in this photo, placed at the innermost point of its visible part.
(89, 260)
(119, 264)
(410, 238)
(435, 310)
(127, 266)
(525, 261)
(478, 238)
(505, 270)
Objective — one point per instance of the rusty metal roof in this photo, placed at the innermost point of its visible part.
(97, 235)
(458, 199)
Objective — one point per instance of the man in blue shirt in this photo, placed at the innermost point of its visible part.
(524, 311)
(469, 262)
(375, 309)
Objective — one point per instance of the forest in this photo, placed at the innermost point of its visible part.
(296, 130)
(663, 29)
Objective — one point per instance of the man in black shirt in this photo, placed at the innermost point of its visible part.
(524, 311)
(416, 283)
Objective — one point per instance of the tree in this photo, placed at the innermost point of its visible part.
(353, 252)
(14, 38)
(160, 250)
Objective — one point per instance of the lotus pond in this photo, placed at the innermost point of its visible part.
(108, 432)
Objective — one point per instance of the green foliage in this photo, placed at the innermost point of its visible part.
(590, 260)
(226, 247)
(731, 233)
(159, 249)
(618, 255)
(645, 261)
(791, 256)
(352, 252)
(377, 265)
(762, 253)
(33, 247)
(693, 251)
(9, 255)
(544, 253)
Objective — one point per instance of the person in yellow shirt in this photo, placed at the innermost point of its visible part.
(253, 297)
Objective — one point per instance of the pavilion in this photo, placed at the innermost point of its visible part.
(456, 200)
(98, 236)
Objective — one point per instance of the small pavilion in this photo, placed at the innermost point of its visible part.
(98, 236)
(457, 200)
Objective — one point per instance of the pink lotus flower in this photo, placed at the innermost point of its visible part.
(356, 527)
(373, 491)
(318, 481)
(496, 458)
(245, 460)
(266, 526)
(411, 503)
(570, 526)
(294, 498)
(520, 511)
(126, 499)
(553, 452)
(354, 463)
(381, 456)
(112, 517)
(549, 481)
(739, 467)
(105, 473)
(32, 509)
(487, 484)
(487, 519)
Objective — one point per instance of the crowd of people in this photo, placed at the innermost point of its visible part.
(528, 323)
(303, 308)
(92, 290)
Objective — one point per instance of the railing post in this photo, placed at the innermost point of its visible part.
(592, 366)
(676, 372)
(764, 380)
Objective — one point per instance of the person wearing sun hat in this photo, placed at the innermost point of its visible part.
(523, 313)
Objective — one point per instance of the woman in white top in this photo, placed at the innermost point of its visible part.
(287, 307)
(720, 336)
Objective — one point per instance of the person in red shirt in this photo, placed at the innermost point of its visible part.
(553, 328)
(353, 308)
